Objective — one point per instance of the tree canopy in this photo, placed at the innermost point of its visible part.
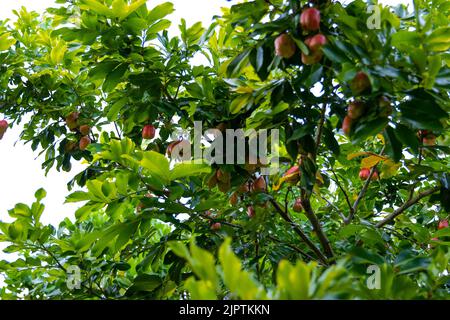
(359, 93)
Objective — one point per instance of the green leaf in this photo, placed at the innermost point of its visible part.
(293, 282)
(407, 137)
(40, 194)
(405, 39)
(422, 114)
(200, 289)
(115, 77)
(439, 39)
(189, 169)
(393, 145)
(234, 277)
(442, 233)
(362, 255)
(179, 248)
(369, 129)
(145, 282)
(114, 111)
(6, 42)
(157, 165)
(20, 210)
(240, 102)
(78, 196)
(159, 26)
(300, 133)
(238, 63)
(160, 12)
(95, 6)
(331, 142)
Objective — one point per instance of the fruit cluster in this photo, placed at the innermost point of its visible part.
(285, 46)
(72, 122)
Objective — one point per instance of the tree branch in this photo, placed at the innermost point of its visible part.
(297, 230)
(304, 254)
(347, 199)
(320, 128)
(341, 214)
(316, 225)
(362, 193)
(406, 205)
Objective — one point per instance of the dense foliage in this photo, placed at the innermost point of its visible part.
(362, 111)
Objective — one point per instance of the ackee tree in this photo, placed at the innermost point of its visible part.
(363, 116)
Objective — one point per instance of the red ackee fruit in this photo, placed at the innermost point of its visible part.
(314, 44)
(284, 46)
(3, 128)
(251, 212)
(360, 83)
(310, 19)
(298, 206)
(259, 185)
(347, 125)
(85, 129)
(84, 142)
(355, 109)
(443, 224)
(148, 132)
(216, 226)
(364, 173)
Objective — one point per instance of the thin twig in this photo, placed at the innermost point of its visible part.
(347, 199)
(297, 230)
(407, 205)
(362, 193)
(339, 211)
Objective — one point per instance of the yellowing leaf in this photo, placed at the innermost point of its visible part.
(357, 154)
(319, 177)
(380, 136)
(6, 42)
(245, 89)
(389, 169)
(95, 6)
(371, 161)
(58, 52)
